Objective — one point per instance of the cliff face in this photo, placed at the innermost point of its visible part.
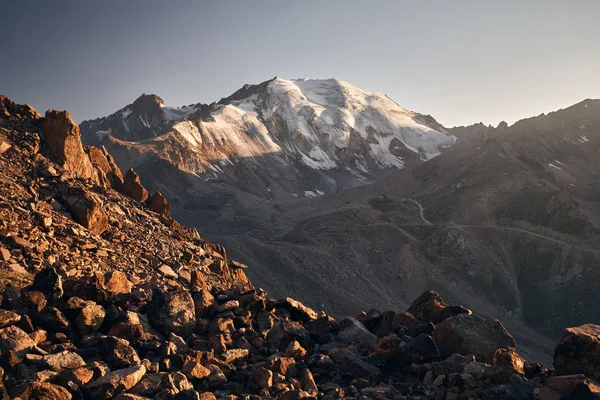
(104, 296)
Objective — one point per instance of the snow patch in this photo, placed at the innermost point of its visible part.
(102, 134)
(189, 131)
(554, 166)
(126, 113)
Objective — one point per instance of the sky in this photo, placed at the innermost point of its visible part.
(460, 61)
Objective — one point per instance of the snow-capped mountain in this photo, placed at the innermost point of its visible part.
(305, 124)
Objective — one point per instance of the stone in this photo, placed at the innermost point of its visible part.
(134, 188)
(428, 306)
(104, 162)
(353, 331)
(358, 368)
(159, 204)
(579, 351)
(193, 369)
(297, 310)
(33, 300)
(41, 391)
(173, 312)
(15, 339)
(8, 318)
(295, 350)
(569, 387)
(114, 383)
(63, 360)
(263, 378)
(508, 358)
(284, 332)
(87, 209)
(118, 353)
(48, 282)
(63, 140)
(470, 334)
(90, 318)
(115, 283)
(167, 272)
(4, 146)
(4, 254)
(308, 382)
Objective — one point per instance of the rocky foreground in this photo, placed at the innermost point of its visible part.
(105, 296)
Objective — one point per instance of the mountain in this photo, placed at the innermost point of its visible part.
(504, 219)
(319, 135)
(105, 296)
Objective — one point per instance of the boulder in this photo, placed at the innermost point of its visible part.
(105, 163)
(114, 383)
(173, 312)
(158, 203)
(297, 310)
(8, 318)
(86, 209)
(569, 387)
(90, 318)
(470, 334)
(428, 307)
(63, 360)
(41, 391)
(15, 339)
(63, 140)
(116, 283)
(353, 331)
(134, 188)
(579, 351)
(49, 283)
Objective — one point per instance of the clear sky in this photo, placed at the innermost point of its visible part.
(460, 61)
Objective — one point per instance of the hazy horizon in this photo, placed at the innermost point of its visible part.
(462, 63)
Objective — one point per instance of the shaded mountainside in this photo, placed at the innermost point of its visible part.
(505, 221)
(104, 295)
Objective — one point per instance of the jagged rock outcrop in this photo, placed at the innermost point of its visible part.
(158, 203)
(134, 188)
(63, 140)
(104, 162)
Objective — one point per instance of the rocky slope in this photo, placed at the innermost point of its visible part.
(105, 296)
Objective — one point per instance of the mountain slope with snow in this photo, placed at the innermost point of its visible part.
(320, 125)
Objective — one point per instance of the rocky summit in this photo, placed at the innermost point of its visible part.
(104, 295)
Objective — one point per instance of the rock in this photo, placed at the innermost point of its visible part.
(173, 312)
(515, 389)
(52, 319)
(295, 351)
(428, 306)
(308, 382)
(352, 331)
(359, 368)
(4, 146)
(62, 138)
(167, 272)
(90, 318)
(8, 318)
(15, 339)
(4, 254)
(193, 369)
(86, 209)
(297, 310)
(105, 163)
(134, 188)
(508, 358)
(33, 300)
(579, 351)
(284, 332)
(158, 203)
(470, 334)
(41, 391)
(63, 360)
(421, 348)
(48, 282)
(569, 387)
(115, 283)
(114, 383)
(263, 378)
(118, 353)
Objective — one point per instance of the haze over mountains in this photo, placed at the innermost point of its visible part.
(341, 197)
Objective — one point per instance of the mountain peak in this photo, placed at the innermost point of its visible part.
(148, 99)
